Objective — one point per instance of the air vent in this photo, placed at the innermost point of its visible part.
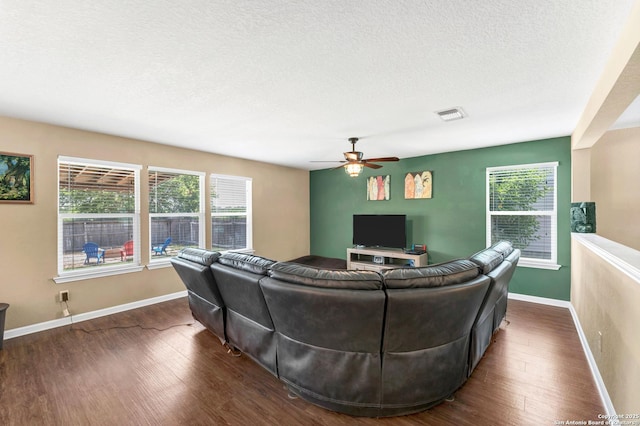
(451, 114)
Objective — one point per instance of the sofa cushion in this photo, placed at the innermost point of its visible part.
(487, 259)
(442, 274)
(305, 275)
(503, 247)
(201, 256)
(246, 262)
(320, 262)
(513, 257)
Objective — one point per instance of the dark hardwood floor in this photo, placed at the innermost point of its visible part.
(172, 371)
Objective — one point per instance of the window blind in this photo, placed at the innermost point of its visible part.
(521, 208)
(97, 205)
(173, 192)
(231, 221)
(86, 188)
(176, 216)
(228, 195)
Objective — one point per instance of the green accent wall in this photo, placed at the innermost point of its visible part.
(452, 224)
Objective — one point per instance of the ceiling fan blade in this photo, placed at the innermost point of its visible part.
(355, 157)
(327, 161)
(377, 160)
(372, 166)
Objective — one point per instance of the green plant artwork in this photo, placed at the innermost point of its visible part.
(16, 178)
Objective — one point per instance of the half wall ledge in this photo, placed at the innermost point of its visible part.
(624, 258)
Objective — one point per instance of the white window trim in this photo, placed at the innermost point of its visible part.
(551, 264)
(248, 214)
(83, 274)
(165, 261)
(104, 271)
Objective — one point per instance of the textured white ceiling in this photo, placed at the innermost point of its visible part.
(289, 81)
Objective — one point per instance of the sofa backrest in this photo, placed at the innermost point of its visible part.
(193, 267)
(319, 277)
(421, 318)
(427, 330)
(329, 333)
(438, 275)
(246, 262)
(237, 276)
(487, 259)
(491, 262)
(508, 252)
(502, 281)
(326, 308)
(514, 257)
(503, 247)
(435, 314)
(500, 274)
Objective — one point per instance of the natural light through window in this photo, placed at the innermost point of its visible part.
(98, 216)
(231, 222)
(522, 209)
(176, 211)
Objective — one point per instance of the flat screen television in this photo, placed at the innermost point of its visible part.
(380, 230)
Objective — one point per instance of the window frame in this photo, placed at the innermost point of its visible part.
(82, 274)
(165, 261)
(528, 262)
(248, 213)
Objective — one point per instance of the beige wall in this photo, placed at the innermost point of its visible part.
(28, 239)
(615, 186)
(607, 301)
(605, 170)
(580, 175)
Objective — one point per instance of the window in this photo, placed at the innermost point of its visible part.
(521, 208)
(230, 213)
(176, 211)
(98, 217)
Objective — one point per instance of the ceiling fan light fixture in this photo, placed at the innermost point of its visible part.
(451, 114)
(353, 169)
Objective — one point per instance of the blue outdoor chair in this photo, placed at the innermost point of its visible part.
(158, 250)
(91, 250)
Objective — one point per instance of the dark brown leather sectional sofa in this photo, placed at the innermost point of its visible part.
(356, 342)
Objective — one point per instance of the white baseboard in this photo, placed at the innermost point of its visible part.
(602, 389)
(47, 325)
(540, 300)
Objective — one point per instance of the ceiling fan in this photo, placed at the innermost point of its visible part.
(354, 163)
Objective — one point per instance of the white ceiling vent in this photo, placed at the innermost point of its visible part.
(451, 114)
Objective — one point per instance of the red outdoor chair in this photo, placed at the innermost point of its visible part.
(126, 250)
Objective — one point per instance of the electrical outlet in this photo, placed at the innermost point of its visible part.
(64, 296)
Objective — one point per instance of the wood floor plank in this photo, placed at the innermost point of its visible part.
(157, 366)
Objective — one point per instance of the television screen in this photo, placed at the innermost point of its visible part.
(379, 230)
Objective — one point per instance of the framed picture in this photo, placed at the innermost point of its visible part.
(16, 178)
(418, 185)
(378, 188)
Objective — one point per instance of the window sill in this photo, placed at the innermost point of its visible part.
(96, 273)
(528, 263)
(158, 264)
